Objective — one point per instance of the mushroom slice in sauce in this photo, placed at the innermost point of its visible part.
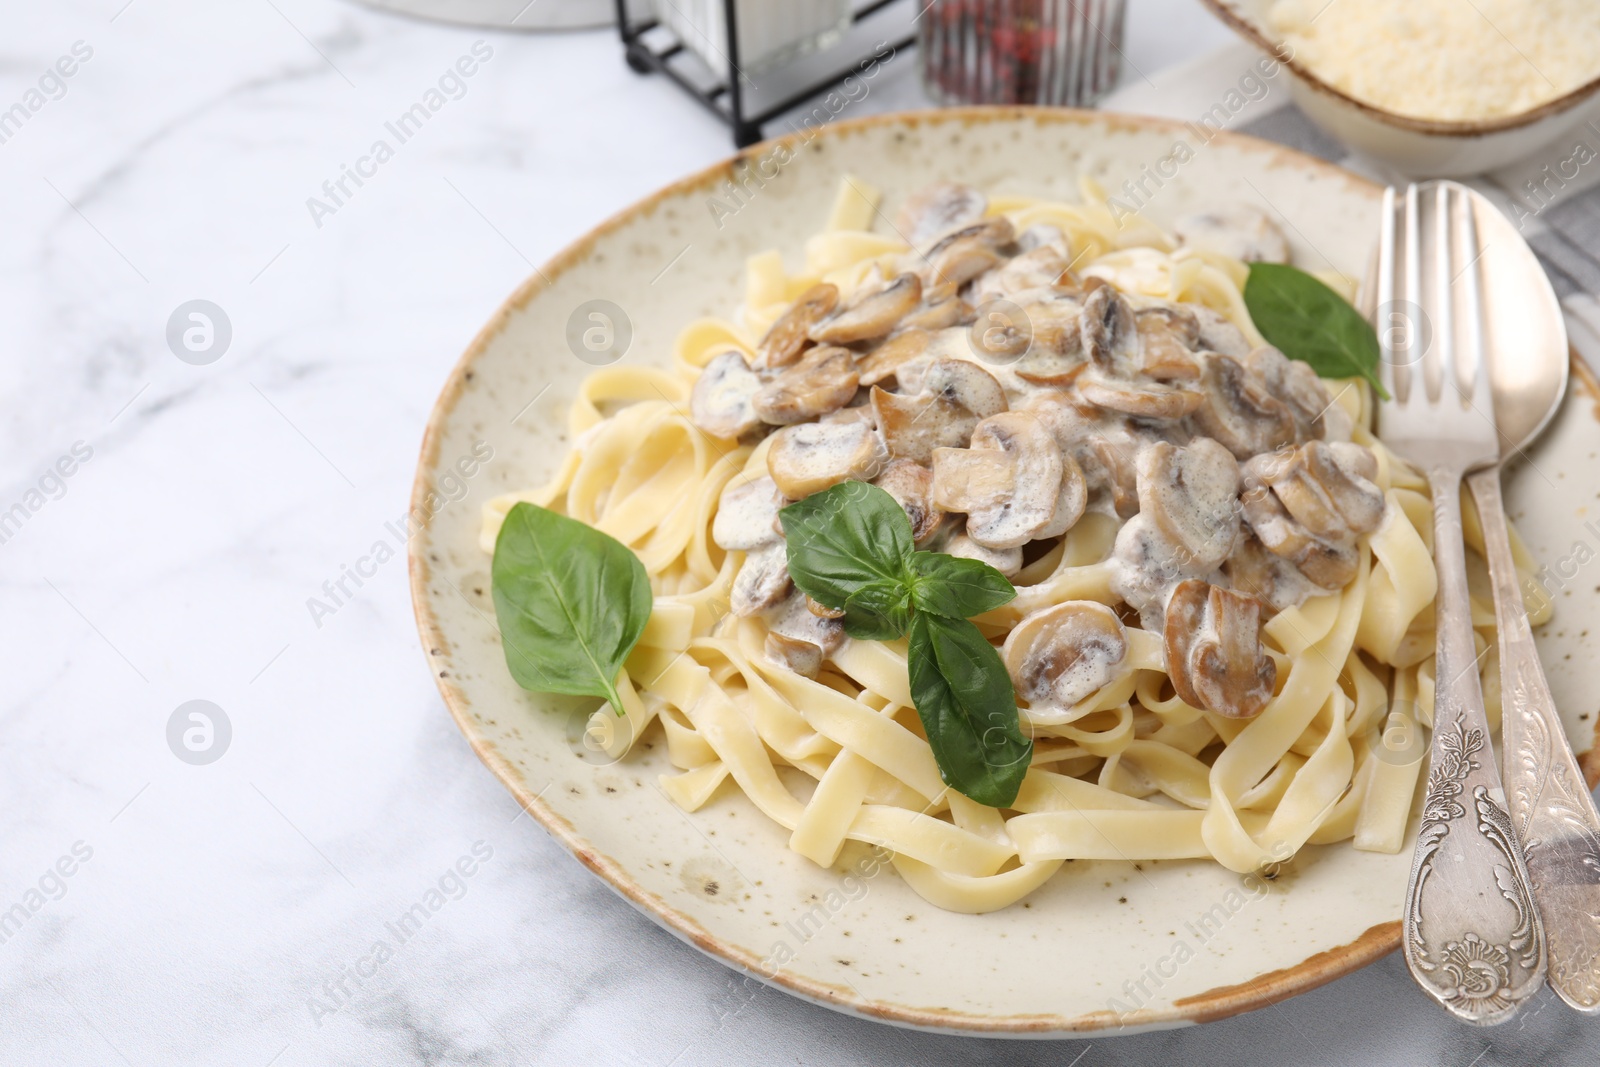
(1038, 268)
(793, 654)
(1191, 495)
(937, 208)
(1059, 656)
(1109, 330)
(1242, 231)
(723, 401)
(1008, 561)
(1141, 399)
(873, 314)
(824, 380)
(788, 336)
(1214, 654)
(953, 396)
(747, 514)
(809, 457)
(762, 581)
(884, 361)
(911, 485)
(1309, 504)
(1270, 578)
(1167, 336)
(1239, 410)
(1014, 484)
(940, 311)
(1217, 334)
(1297, 386)
(794, 619)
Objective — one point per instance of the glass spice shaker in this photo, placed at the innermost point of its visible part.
(1053, 52)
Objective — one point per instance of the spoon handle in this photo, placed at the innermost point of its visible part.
(1473, 939)
(1551, 808)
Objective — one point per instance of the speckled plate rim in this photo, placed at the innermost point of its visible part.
(1218, 1003)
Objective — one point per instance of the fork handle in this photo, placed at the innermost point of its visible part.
(1549, 801)
(1473, 939)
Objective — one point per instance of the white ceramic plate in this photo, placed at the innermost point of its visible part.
(1103, 945)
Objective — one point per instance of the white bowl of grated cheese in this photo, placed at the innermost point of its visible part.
(1436, 87)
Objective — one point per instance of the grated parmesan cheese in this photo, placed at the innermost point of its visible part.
(1446, 59)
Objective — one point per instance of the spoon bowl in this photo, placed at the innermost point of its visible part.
(1524, 331)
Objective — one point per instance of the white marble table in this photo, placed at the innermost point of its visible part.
(160, 910)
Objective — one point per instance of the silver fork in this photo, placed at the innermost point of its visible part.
(1473, 938)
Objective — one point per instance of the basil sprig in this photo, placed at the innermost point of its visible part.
(571, 603)
(1306, 320)
(850, 549)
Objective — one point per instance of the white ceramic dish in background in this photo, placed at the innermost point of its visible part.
(722, 879)
(1413, 146)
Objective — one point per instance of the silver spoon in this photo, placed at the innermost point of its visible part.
(1547, 796)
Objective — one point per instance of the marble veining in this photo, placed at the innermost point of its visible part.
(230, 911)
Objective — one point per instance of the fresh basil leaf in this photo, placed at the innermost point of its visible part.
(879, 611)
(843, 538)
(1306, 320)
(968, 709)
(571, 603)
(956, 587)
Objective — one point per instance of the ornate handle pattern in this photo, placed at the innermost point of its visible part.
(1551, 809)
(1473, 939)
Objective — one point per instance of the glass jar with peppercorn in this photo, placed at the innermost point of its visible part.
(1054, 52)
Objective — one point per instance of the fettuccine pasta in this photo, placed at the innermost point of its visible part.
(1123, 766)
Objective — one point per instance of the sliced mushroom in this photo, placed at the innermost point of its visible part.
(1014, 484)
(1056, 328)
(885, 360)
(1167, 336)
(1297, 386)
(789, 335)
(1191, 495)
(1217, 334)
(1310, 503)
(1109, 330)
(1239, 410)
(1242, 231)
(794, 619)
(1102, 448)
(794, 654)
(824, 380)
(961, 255)
(1060, 656)
(1214, 654)
(1008, 561)
(1270, 578)
(747, 515)
(1143, 398)
(952, 396)
(1039, 268)
(936, 208)
(874, 314)
(723, 401)
(762, 582)
(822, 611)
(1039, 235)
(939, 312)
(809, 457)
(911, 485)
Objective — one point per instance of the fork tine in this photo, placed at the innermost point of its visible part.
(1424, 363)
(1474, 356)
(1384, 297)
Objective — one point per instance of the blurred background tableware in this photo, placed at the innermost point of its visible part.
(1414, 146)
(512, 14)
(1051, 52)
